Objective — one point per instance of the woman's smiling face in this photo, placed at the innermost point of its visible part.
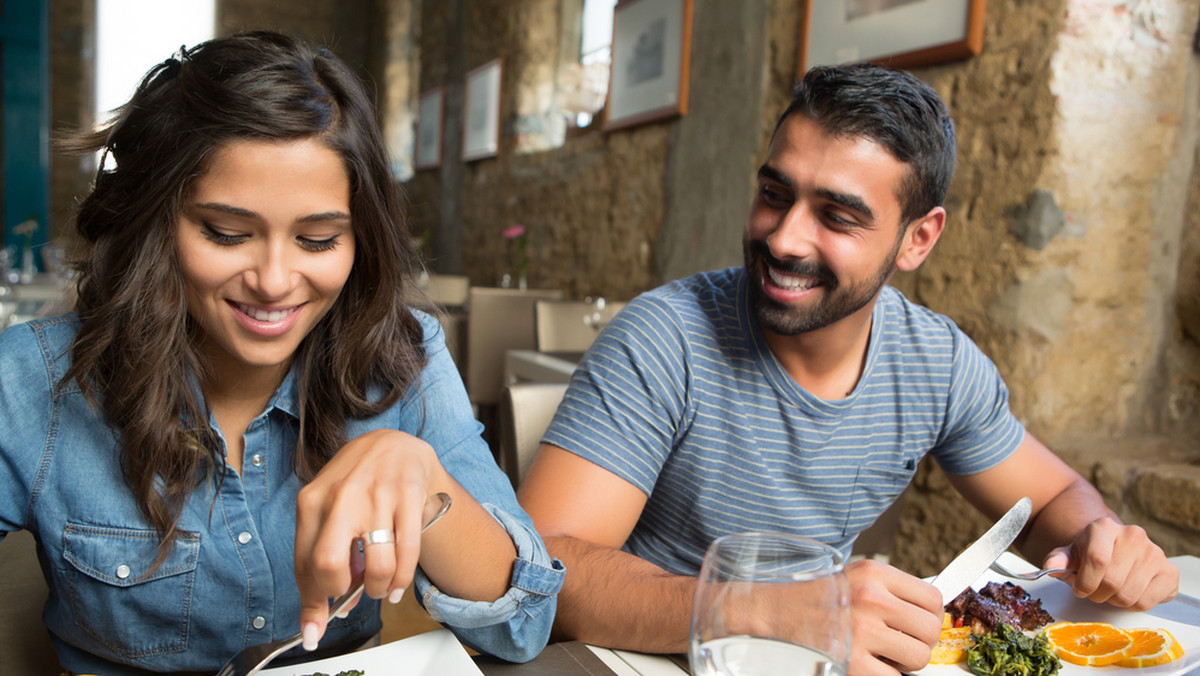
(265, 245)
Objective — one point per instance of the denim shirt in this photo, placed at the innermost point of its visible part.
(228, 581)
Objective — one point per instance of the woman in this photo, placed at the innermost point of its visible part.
(242, 393)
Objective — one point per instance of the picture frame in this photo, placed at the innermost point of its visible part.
(651, 51)
(481, 111)
(895, 33)
(431, 109)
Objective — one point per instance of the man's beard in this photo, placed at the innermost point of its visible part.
(835, 303)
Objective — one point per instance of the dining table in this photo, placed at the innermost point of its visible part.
(571, 658)
(522, 366)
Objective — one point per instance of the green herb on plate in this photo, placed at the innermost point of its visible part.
(1009, 652)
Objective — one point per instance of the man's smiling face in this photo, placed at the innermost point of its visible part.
(824, 231)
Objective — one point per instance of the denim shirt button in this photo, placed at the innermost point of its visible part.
(256, 460)
(122, 571)
(259, 622)
(244, 537)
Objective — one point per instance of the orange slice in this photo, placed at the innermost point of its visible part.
(1150, 647)
(1088, 643)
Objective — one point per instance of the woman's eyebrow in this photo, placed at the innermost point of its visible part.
(325, 216)
(227, 209)
(247, 213)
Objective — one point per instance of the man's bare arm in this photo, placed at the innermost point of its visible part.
(622, 601)
(1072, 527)
(609, 597)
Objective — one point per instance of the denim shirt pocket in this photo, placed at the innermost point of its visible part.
(120, 598)
(875, 489)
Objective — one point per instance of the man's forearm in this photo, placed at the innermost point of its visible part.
(1061, 520)
(614, 599)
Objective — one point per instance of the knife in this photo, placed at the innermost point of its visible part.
(973, 560)
(1182, 608)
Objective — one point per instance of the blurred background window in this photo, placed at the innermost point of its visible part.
(134, 35)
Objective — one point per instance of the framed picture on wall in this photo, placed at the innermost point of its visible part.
(430, 112)
(650, 52)
(897, 33)
(481, 112)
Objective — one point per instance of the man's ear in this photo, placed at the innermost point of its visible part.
(919, 239)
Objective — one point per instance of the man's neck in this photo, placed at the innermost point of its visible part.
(829, 361)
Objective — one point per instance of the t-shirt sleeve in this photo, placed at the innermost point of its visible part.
(980, 430)
(627, 403)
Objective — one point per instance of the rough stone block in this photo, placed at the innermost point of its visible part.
(1171, 493)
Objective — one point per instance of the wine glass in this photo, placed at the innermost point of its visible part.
(770, 603)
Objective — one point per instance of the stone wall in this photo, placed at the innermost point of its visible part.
(1070, 255)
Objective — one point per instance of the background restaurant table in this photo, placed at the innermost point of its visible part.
(571, 658)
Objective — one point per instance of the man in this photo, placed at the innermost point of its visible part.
(799, 394)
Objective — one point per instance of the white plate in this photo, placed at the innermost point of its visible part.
(434, 653)
(1058, 600)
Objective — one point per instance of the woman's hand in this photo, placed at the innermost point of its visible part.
(380, 481)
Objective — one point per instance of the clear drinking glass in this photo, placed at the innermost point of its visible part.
(770, 603)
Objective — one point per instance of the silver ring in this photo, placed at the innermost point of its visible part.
(382, 536)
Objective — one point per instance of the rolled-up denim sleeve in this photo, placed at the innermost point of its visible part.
(516, 626)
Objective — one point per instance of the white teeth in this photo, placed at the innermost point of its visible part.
(265, 315)
(790, 283)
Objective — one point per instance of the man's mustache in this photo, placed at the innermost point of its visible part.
(812, 269)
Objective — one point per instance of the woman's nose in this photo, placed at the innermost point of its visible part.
(272, 274)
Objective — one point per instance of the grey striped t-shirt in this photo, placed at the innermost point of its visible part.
(681, 397)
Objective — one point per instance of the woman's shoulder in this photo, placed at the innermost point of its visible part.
(50, 338)
(35, 355)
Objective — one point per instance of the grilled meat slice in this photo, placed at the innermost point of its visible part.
(995, 604)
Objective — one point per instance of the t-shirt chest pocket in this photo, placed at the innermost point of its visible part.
(875, 489)
(117, 595)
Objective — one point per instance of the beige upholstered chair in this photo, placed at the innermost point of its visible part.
(525, 412)
(448, 291)
(570, 326)
(498, 320)
(25, 648)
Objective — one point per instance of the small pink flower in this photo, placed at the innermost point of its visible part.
(513, 231)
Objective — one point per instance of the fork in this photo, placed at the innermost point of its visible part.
(251, 660)
(1035, 575)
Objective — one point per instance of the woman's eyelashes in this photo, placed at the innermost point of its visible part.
(327, 244)
(219, 237)
(308, 243)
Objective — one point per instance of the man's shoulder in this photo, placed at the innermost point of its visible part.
(908, 316)
(702, 289)
(705, 299)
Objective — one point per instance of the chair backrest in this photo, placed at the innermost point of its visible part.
(498, 320)
(570, 325)
(448, 290)
(525, 412)
(25, 646)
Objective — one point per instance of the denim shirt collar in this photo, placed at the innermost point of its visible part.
(287, 395)
(284, 399)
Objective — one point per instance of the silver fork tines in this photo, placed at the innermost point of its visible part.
(1034, 575)
(251, 660)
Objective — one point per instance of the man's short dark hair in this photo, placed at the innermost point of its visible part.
(892, 108)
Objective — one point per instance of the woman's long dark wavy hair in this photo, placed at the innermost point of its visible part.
(136, 355)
